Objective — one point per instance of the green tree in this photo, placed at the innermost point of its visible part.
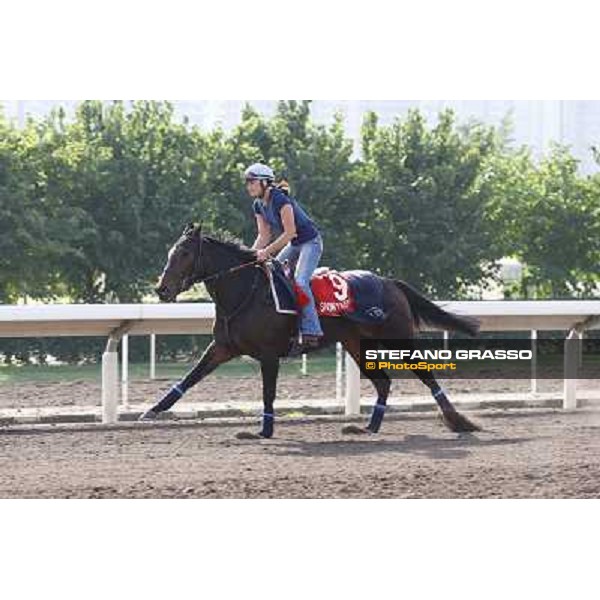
(425, 217)
(122, 184)
(550, 217)
(26, 239)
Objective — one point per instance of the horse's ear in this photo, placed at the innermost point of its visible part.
(198, 227)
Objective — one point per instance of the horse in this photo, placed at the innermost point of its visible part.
(247, 323)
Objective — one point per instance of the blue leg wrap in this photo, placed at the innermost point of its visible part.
(376, 417)
(170, 398)
(267, 425)
(439, 393)
(440, 398)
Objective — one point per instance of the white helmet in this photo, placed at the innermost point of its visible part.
(259, 171)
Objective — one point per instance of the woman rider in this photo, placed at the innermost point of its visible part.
(297, 240)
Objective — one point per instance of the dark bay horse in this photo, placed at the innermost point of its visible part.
(248, 324)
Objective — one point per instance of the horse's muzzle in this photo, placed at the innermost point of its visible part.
(165, 294)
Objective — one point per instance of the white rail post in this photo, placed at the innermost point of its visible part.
(125, 371)
(446, 341)
(152, 356)
(571, 360)
(110, 374)
(534, 381)
(339, 371)
(352, 386)
(304, 367)
(110, 385)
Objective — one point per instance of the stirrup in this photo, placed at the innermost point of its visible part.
(303, 344)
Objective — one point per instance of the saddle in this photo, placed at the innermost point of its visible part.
(356, 295)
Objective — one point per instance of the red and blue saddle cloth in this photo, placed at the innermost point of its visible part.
(356, 295)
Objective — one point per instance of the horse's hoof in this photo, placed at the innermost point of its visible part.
(149, 415)
(354, 430)
(247, 435)
(458, 423)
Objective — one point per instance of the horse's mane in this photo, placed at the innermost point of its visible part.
(232, 243)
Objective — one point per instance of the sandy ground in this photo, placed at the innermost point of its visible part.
(520, 454)
(247, 388)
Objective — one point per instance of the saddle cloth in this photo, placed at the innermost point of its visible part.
(357, 295)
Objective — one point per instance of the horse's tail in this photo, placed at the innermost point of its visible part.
(427, 311)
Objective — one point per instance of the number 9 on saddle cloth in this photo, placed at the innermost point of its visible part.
(356, 295)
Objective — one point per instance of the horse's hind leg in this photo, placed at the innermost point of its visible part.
(382, 385)
(400, 326)
(450, 416)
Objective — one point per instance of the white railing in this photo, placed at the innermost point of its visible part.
(114, 321)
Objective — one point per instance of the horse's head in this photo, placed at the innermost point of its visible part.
(182, 266)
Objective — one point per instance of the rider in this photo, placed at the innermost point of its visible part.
(298, 241)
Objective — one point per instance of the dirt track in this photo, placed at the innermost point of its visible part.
(521, 454)
(247, 388)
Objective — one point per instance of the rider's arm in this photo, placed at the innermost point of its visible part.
(264, 233)
(289, 230)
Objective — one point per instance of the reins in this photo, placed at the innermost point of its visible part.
(226, 272)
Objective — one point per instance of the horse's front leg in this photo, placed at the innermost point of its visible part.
(269, 368)
(213, 356)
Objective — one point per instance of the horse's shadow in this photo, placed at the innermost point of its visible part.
(421, 445)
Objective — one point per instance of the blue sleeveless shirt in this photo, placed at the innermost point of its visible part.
(306, 228)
